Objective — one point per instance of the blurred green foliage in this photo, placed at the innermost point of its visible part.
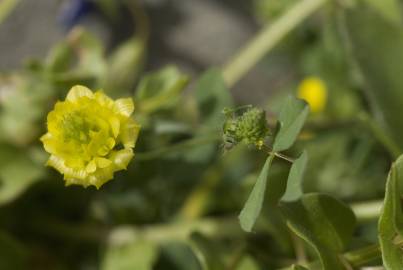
(176, 206)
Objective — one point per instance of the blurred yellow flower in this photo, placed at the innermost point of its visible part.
(313, 90)
(90, 136)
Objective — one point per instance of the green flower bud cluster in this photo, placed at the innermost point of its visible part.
(249, 128)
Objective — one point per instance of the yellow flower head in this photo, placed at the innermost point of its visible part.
(90, 136)
(313, 90)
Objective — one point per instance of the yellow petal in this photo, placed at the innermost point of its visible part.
(48, 143)
(59, 165)
(83, 130)
(79, 91)
(110, 143)
(103, 162)
(103, 151)
(103, 99)
(122, 157)
(91, 167)
(101, 176)
(73, 181)
(129, 133)
(115, 125)
(124, 106)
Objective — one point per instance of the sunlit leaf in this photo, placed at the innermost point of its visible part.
(390, 9)
(78, 59)
(391, 221)
(325, 223)
(139, 255)
(291, 120)
(123, 67)
(60, 58)
(90, 52)
(253, 205)
(160, 90)
(212, 96)
(247, 263)
(24, 104)
(17, 172)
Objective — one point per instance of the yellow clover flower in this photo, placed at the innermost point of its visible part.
(90, 136)
(313, 90)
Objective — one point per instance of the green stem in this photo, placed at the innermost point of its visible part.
(363, 256)
(195, 204)
(140, 19)
(178, 231)
(177, 147)
(366, 211)
(291, 160)
(380, 135)
(236, 258)
(277, 154)
(6, 7)
(359, 257)
(267, 39)
(356, 258)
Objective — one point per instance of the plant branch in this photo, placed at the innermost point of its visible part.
(6, 7)
(356, 258)
(277, 154)
(380, 135)
(177, 147)
(178, 231)
(267, 39)
(365, 211)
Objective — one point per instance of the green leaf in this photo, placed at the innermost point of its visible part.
(12, 254)
(390, 225)
(87, 65)
(376, 44)
(25, 104)
(389, 9)
(160, 90)
(253, 205)
(91, 56)
(178, 256)
(110, 8)
(123, 67)
(212, 96)
(325, 223)
(247, 263)
(294, 182)
(291, 120)
(139, 255)
(60, 58)
(17, 172)
(298, 267)
(207, 252)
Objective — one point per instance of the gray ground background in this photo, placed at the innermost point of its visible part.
(193, 34)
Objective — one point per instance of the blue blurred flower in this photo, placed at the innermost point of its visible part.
(73, 10)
